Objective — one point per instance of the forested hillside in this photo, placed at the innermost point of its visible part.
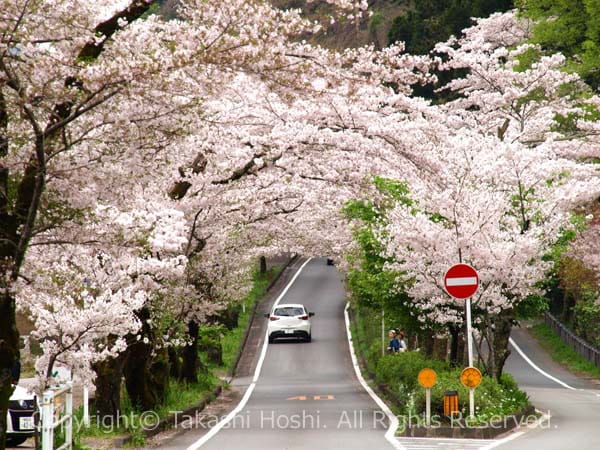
(420, 24)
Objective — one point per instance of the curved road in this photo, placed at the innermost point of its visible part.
(307, 396)
(574, 411)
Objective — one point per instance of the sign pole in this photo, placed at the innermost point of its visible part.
(428, 406)
(469, 332)
(427, 378)
(470, 345)
(461, 282)
(471, 402)
(382, 332)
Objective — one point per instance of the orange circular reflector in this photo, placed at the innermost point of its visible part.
(427, 378)
(470, 377)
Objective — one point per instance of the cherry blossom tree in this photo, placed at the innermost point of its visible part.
(509, 179)
(91, 97)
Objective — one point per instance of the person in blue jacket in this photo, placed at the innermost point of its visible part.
(394, 345)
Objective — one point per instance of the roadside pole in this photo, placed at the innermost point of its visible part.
(428, 407)
(461, 282)
(427, 378)
(382, 332)
(471, 402)
(469, 331)
(470, 349)
(471, 378)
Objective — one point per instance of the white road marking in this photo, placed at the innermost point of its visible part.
(543, 418)
(411, 443)
(461, 281)
(390, 434)
(214, 430)
(532, 364)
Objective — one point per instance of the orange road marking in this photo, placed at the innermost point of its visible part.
(323, 397)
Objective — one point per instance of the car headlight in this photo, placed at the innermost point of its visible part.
(22, 403)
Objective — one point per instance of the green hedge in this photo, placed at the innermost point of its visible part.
(399, 373)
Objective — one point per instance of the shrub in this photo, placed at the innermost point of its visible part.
(399, 373)
(491, 397)
(403, 368)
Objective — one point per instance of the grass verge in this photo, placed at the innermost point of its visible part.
(562, 353)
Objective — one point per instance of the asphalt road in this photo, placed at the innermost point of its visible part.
(307, 396)
(574, 413)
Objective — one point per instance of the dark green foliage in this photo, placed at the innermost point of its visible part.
(531, 307)
(587, 319)
(571, 27)
(492, 397)
(398, 373)
(210, 342)
(433, 21)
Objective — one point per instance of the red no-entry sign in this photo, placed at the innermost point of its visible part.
(461, 281)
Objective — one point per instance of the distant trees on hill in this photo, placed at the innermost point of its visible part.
(433, 21)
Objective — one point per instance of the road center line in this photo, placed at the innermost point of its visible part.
(532, 364)
(214, 430)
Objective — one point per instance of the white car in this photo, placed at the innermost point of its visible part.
(289, 321)
(19, 422)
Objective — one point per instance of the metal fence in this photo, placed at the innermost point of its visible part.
(578, 344)
(53, 417)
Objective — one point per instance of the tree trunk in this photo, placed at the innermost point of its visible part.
(428, 343)
(146, 380)
(462, 344)
(9, 355)
(191, 361)
(502, 327)
(109, 374)
(454, 337)
(440, 346)
(263, 264)
(175, 363)
(146, 377)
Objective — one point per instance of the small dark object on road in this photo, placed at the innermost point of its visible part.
(329, 261)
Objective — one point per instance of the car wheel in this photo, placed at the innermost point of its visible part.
(15, 441)
(309, 338)
(271, 340)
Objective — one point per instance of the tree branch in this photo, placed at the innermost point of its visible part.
(108, 28)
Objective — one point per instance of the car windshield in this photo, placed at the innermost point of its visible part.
(289, 311)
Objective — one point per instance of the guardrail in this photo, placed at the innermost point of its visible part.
(48, 419)
(586, 350)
